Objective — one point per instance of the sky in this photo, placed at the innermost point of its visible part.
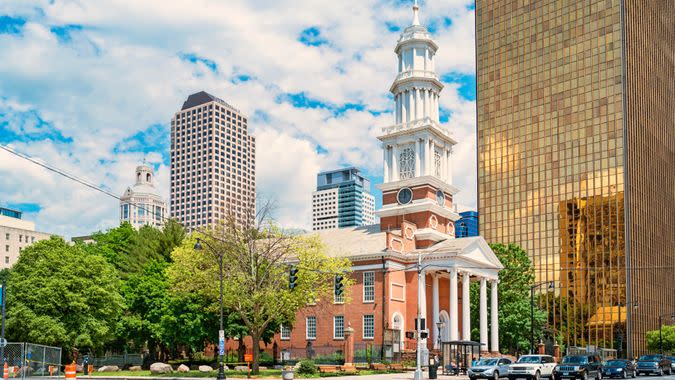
(90, 86)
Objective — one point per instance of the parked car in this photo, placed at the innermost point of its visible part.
(584, 367)
(672, 363)
(619, 368)
(657, 364)
(490, 368)
(532, 367)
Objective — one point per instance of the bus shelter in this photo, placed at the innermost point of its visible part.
(458, 354)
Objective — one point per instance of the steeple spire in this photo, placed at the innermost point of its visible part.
(416, 16)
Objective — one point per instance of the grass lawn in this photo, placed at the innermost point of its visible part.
(263, 374)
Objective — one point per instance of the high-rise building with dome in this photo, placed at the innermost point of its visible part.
(141, 203)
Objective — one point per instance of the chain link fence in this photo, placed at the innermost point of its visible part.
(32, 360)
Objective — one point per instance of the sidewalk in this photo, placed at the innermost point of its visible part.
(385, 376)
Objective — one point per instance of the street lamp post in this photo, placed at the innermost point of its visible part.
(418, 369)
(672, 316)
(551, 285)
(221, 335)
(440, 326)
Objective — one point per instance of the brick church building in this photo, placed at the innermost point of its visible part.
(416, 231)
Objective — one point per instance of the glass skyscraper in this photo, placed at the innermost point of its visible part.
(576, 157)
(467, 225)
(342, 199)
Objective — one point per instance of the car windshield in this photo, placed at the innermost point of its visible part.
(650, 357)
(575, 360)
(529, 359)
(487, 362)
(615, 363)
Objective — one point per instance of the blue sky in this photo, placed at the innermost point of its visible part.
(90, 86)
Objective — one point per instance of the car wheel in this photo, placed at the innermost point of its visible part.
(496, 375)
(624, 375)
(584, 376)
(537, 376)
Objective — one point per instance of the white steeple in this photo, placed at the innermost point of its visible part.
(416, 16)
(417, 144)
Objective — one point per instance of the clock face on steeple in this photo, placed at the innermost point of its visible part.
(404, 196)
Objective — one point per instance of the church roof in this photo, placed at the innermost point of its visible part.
(353, 241)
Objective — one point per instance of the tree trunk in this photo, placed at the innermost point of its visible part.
(256, 353)
(241, 350)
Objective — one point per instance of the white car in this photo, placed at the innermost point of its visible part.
(532, 367)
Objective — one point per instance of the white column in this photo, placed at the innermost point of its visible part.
(494, 316)
(454, 313)
(449, 168)
(436, 111)
(418, 102)
(466, 307)
(398, 109)
(394, 163)
(385, 162)
(427, 144)
(404, 107)
(411, 105)
(435, 309)
(416, 148)
(422, 294)
(483, 315)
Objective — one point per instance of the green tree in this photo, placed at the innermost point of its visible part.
(668, 337)
(514, 300)
(255, 259)
(59, 295)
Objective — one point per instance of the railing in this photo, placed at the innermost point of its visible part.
(416, 124)
(416, 73)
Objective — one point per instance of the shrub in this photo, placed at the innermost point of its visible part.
(266, 358)
(307, 367)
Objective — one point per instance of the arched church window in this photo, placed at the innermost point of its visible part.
(147, 177)
(437, 162)
(406, 163)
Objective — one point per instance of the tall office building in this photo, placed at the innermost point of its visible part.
(467, 225)
(576, 157)
(212, 163)
(342, 199)
(142, 203)
(15, 235)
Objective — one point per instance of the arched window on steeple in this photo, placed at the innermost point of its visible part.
(406, 163)
(147, 177)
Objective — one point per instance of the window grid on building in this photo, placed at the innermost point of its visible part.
(311, 327)
(285, 332)
(338, 327)
(369, 326)
(368, 286)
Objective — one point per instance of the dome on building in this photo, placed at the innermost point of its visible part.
(142, 203)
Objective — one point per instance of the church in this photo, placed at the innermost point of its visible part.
(412, 258)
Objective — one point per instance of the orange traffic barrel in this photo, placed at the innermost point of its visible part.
(5, 371)
(70, 372)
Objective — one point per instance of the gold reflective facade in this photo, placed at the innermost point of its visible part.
(561, 109)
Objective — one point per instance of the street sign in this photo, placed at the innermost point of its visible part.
(221, 342)
(3, 342)
(248, 358)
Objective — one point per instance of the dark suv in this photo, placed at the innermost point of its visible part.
(657, 364)
(584, 367)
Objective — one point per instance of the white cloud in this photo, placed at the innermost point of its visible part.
(122, 73)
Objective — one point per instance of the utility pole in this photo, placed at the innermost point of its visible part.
(418, 369)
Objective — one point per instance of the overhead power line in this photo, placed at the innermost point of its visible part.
(72, 177)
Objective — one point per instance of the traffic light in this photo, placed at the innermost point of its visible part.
(410, 334)
(423, 326)
(424, 334)
(339, 286)
(292, 277)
